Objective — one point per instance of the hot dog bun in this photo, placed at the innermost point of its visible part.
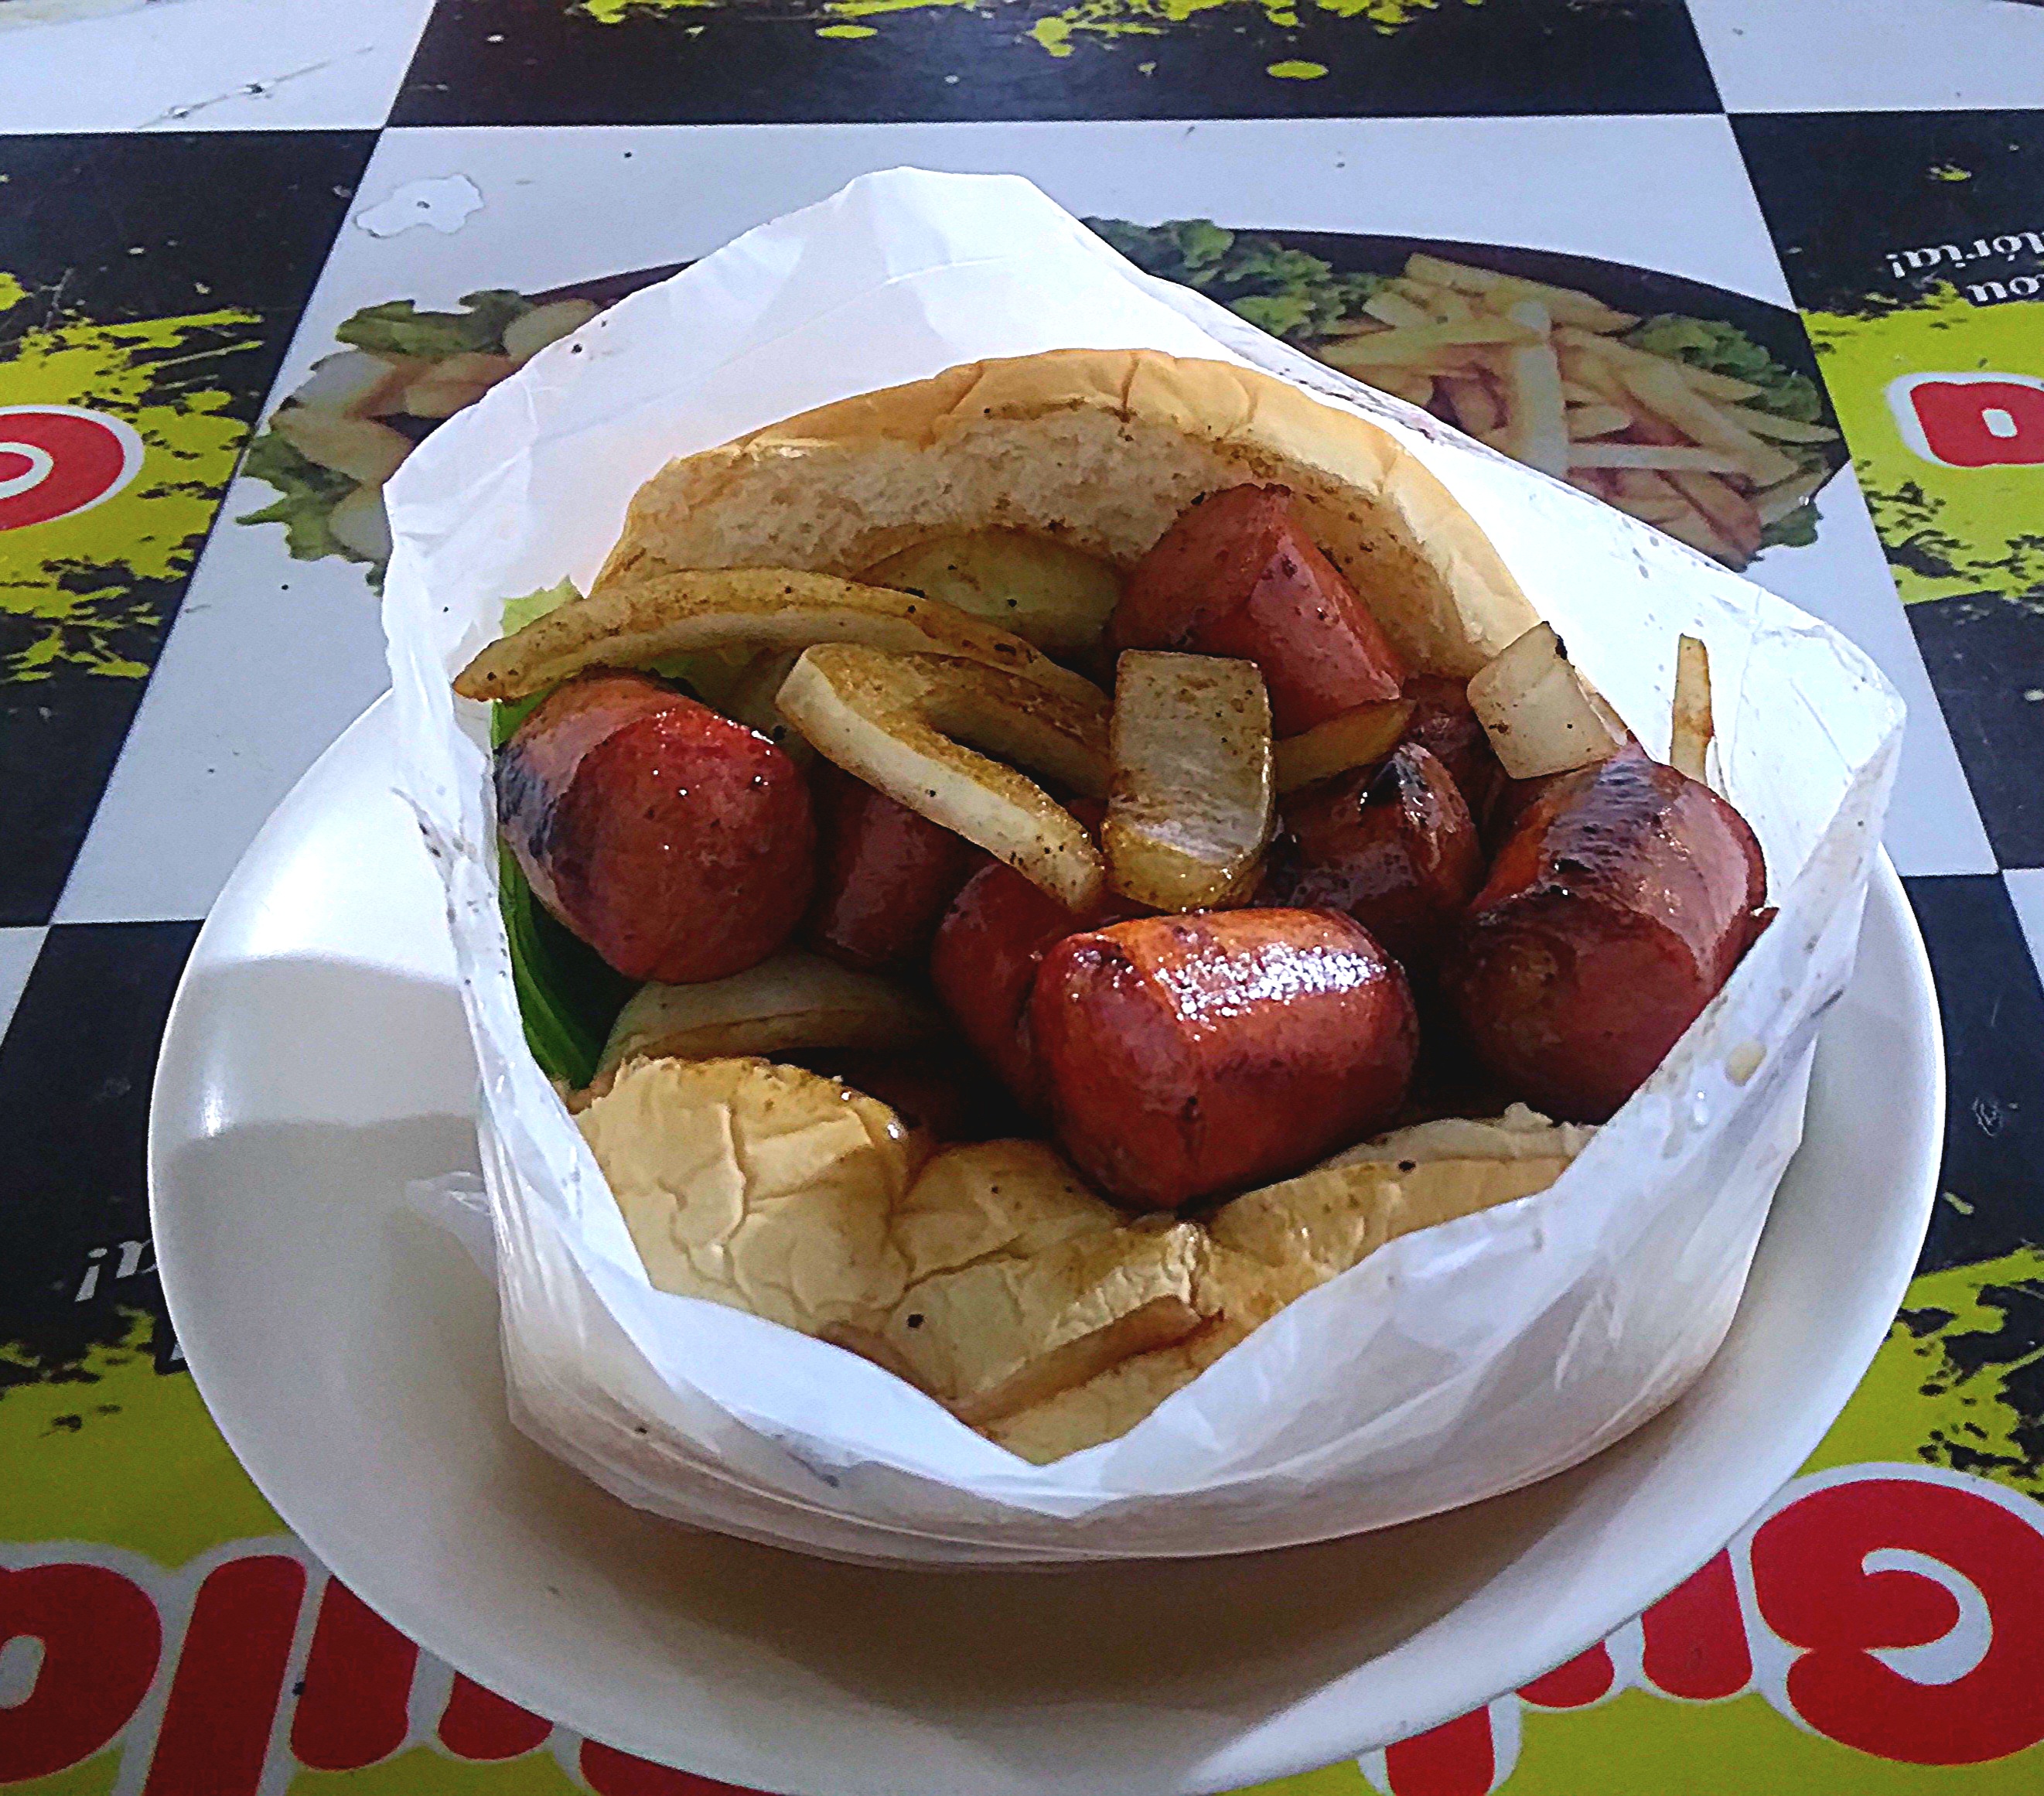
(988, 1275)
(1100, 448)
(1268, 1247)
(762, 1186)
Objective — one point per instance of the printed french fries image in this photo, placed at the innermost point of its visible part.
(1540, 373)
(1536, 427)
(1629, 408)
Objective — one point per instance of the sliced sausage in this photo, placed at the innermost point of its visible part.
(1183, 1057)
(885, 874)
(984, 964)
(1393, 847)
(1614, 913)
(1237, 575)
(678, 845)
(1444, 724)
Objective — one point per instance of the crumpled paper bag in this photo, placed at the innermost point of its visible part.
(1453, 1364)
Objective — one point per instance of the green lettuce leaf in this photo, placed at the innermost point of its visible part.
(527, 608)
(398, 327)
(308, 493)
(567, 998)
(1287, 292)
(1724, 349)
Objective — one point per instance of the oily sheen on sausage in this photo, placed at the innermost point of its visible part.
(1394, 846)
(677, 843)
(1444, 723)
(1616, 910)
(984, 962)
(1237, 575)
(1183, 1057)
(884, 874)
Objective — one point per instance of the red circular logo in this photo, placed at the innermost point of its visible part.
(57, 459)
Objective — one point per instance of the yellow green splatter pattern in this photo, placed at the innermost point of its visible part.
(1959, 1383)
(73, 591)
(1060, 30)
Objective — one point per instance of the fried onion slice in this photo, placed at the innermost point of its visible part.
(644, 621)
(1191, 802)
(935, 733)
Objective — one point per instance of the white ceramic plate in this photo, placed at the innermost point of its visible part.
(316, 1063)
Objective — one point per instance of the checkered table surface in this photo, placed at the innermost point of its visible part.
(200, 199)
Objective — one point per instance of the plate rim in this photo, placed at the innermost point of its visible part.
(1764, 1472)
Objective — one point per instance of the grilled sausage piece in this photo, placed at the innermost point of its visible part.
(1445, 724)
(1237, 575)
(989, 946)
(1394, 846)
(677, 843)
(1185, 1056)
(884, 874)
(1616, 910)
(984, 965)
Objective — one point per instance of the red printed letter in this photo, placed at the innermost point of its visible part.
(1695, 1638)
(356, 1707)
(1810, 1578)
(1455, 1758)
(1576, 1685)
(1980, 423)
(100, 1638)
(215, 1729)
(479, 1724)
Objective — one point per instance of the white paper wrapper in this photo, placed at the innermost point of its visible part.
(1451, 1365)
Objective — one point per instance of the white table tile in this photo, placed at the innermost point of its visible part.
(18, 949)
(1835, 56)
(269, 661)
(211, 65)
(2025, 890)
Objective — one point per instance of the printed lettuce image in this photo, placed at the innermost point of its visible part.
(1285, 291)
(1723, 348)
(1685, 422)
(329, 447)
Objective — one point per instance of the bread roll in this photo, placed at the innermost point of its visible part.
(988, 1275)
(1268, 1247)
(1022, 1282)
(763, 1186)
(1099, 449)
